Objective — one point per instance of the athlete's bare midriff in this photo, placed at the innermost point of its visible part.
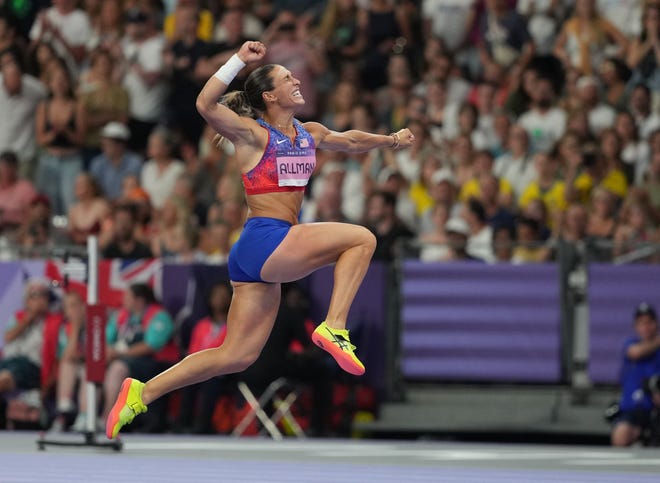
(283, 206)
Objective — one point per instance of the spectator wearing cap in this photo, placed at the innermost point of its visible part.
(115, 162)
(458, 233)
(641, 361)
(144, 75)
(599, 114)
(15, 194)
(20, 94)
(102, 99)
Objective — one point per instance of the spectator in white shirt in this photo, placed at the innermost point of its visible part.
(160, 173)
(600, 115)
(516, 165)
(544, 122)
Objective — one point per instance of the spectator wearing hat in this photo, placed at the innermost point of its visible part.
(458, 232)
(115, 162)
(15, 194)
(20, 94)
(641, 361)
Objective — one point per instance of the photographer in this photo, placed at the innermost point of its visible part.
(639, 388)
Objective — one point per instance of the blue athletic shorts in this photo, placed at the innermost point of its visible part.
(259, 238)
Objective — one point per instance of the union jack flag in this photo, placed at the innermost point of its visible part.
(115, 276)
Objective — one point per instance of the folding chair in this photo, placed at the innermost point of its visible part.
(282, 407)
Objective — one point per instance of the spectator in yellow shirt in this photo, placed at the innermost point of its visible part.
(483, 164)
(546, 187)
(204, 27)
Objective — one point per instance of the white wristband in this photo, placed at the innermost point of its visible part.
(227, 72)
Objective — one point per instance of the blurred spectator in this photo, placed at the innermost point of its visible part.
(547, 187)
(198, 401)
(202, 175)
(614, 75)
(458, 233)
(496, 205)
(35, 229)
(386, 30)
(20, 94)
(516, 165)
(574, 228)
(391, 100)
(103, 100)
(71, 366)
(529, 246)
(179, 21)
(41, 56)
(124, 244)
(602, 221)
(289, 45)
(115, 162)
(167, 241)
(381, 219)
(60, 133)
(544, 122)
(585, 36)
(448, 20)
(235, 17)
(483, 165)
(644, 52)
(338, 114)
(90, 210)
(640, 106)
(338, 29)
(181, 57)
(626, 15)
(160, 172)
(542, 17)
(504, 238)
(30, 342)
(435, 242)
(460, 155)
(393, 182)
(67, 28)
(420, 189)
(107, 27)
(506, 41)
(142, 48)
(651, 185)
(636, 230)
(586, 172)
(641, 361)
(480, 241)
(9, 41)
(600, 115)
(15, 194)
(218, 242)
(139, 345)
(635, 153)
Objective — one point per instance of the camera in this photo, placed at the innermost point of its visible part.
(652, 384)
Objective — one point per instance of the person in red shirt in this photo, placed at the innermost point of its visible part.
(198, 401)
(15, 194)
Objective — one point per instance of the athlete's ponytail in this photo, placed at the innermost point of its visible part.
(238, 102)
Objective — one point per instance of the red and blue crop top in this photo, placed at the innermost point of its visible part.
(284, 166)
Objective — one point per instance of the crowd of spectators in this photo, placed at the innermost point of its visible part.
(536, 122)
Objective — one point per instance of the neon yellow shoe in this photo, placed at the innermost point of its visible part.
(338, 344)
(128, 405)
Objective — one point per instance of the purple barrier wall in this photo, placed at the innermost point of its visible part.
(614, 292)
(184, 288)
(476, 322)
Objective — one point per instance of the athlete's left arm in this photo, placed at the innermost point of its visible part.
(355, 141)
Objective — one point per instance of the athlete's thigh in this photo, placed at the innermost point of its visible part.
(251, 315)
(310, 246)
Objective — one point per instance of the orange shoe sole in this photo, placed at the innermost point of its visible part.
(344, 360)
(113, 417)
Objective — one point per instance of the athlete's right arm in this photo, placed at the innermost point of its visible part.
(237, 129)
